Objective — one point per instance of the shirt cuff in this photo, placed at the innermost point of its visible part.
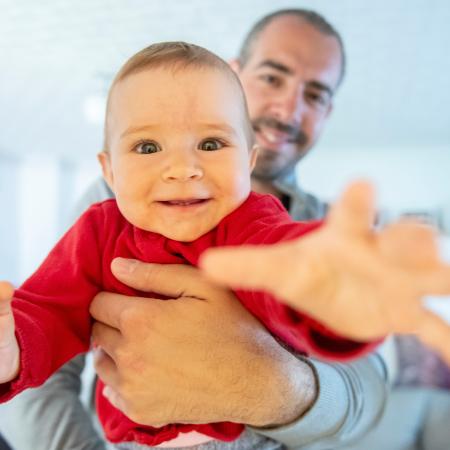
(350, 401)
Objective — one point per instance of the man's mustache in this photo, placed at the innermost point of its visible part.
(296, 135)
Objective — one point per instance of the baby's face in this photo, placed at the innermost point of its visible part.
(178, 158)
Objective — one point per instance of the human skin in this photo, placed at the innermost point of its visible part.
(200, 368)
(289, 81)
(178, 158)
(360, 282)
(9, 348)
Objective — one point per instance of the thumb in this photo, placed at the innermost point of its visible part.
(354, 211)
(6, 294)
(9, 348)
(6, 317)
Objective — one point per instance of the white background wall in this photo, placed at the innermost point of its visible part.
(390, 123)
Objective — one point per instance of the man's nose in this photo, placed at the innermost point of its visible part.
(289, 107)
(182, 167)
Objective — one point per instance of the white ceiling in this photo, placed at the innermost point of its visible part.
(59, 54)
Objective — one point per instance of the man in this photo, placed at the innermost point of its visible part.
(290, 65)
(290, 96)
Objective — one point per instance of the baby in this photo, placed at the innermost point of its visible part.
(178, 153)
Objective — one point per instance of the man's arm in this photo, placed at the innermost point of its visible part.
(350, 402)
(199, 358)
(231, 368)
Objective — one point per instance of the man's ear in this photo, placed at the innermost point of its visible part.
(234, 64)
(104, 158)
(253, 156)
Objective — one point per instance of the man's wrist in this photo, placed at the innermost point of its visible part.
(350, 401)
(290, 390)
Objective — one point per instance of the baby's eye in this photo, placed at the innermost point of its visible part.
(209, 145)
(147, 147)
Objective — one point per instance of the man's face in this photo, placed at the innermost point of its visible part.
(289, 81)
(178, 159)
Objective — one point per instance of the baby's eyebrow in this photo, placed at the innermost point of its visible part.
(204, 126)
(137, 129)
(219, 126)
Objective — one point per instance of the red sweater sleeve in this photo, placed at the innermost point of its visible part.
(267, 222)
(51, 309)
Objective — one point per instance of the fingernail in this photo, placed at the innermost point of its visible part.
(124, 266)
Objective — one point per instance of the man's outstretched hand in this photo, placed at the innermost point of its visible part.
(362, 283)
(9, 349)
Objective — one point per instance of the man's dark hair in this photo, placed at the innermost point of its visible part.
(308, 16)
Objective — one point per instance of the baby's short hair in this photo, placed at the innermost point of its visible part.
(176, 56)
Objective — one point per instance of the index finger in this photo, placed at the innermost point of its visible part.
(108, 307)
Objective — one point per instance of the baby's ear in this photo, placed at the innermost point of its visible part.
(253, 156)
(104, 158)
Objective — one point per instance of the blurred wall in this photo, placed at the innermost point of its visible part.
(390, 122)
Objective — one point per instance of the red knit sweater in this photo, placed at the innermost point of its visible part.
(51, 309)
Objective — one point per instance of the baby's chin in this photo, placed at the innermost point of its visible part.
(179, 237)
(183, 232)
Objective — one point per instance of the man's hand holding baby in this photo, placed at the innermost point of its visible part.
(9, 348)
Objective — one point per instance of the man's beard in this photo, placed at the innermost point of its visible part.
(271, 164)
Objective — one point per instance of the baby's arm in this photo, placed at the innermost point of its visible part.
(359, 282)
(9, 348)
(51, 308)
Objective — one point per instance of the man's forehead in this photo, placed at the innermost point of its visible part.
(295, 45)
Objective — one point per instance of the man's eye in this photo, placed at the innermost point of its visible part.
(146, 148)
(209, 145)
(318, 99)
(273, 80)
